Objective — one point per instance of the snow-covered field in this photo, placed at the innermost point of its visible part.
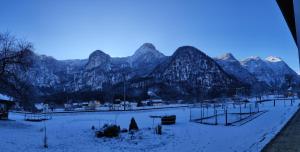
(72, 132)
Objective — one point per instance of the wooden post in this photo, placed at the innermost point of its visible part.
(201, 113)
(274, 103)
(216, 115)
(190, 114)
(240, 111)
(226, 116)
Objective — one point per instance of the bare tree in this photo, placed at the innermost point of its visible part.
(15, 57)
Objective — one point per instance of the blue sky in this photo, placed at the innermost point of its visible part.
(72, 29)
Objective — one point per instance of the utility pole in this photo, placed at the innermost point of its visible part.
(124, 88)
(124, 95)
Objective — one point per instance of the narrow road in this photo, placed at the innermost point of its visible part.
(288, 140)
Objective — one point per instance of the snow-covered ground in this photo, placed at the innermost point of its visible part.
(71, 132)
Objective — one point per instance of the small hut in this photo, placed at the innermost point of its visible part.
(5, 104)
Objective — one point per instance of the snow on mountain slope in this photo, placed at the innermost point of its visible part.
(273, 59)
(99, 69)
(146, 54)
(188, 66)
(195, 69)
(99, 59)
(233, 67)
(145, 59)
(272, 70)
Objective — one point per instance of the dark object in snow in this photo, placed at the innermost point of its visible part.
(133, 125)
(45, 137)
(111, 131)
(158, 129)
(45, 143)
(93, 127)
(99, 134)
(168, 120)
(105, 125)
(5, 105)
(139, 104)
(124, 130)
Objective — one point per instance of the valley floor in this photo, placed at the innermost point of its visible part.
(71, 132)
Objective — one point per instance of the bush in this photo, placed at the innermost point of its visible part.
(99, 134)
(111, 131)
(133, 125)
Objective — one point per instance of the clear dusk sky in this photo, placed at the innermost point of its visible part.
(72, 29)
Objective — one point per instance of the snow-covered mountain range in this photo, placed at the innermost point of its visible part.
(188, 72)
(271, 72)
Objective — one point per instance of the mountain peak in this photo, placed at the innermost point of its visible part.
(148, 45)
(253, 58)
(227, 56)
(98, 58)
(98, 53)
(187, 50)
(146, 48)
(273, 59)
(146, 57)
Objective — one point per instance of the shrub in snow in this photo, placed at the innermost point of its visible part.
(111, 131)
(133, 125)
(99, 134)
(105, 125)
(93, 127)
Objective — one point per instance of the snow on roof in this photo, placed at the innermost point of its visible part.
(5, 97)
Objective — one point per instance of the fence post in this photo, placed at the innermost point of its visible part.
(216, 115)
(201, 113)
(190, 113)
(226, 116)
(274, 103)
(240, 111)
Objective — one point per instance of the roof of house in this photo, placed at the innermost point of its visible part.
(6, 99)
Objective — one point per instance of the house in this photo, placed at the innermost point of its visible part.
(6, 103)
(42, 107)
(68, 107)
(153, 102)
(92, 105)
(157, 102)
